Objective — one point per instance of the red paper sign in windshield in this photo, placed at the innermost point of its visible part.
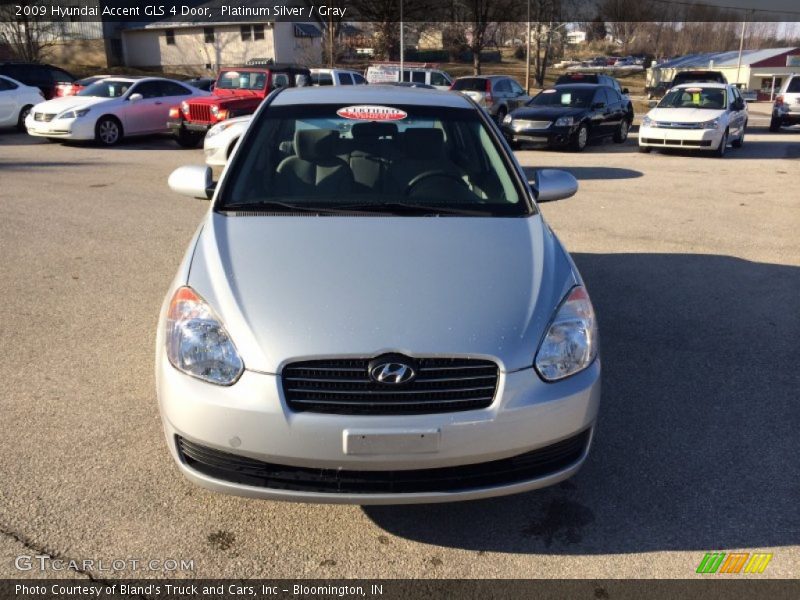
(368, 112)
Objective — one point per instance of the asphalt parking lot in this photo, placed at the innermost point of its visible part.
(693, 264)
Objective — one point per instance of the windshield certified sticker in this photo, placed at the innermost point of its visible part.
(367, 112)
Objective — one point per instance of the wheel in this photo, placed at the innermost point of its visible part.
(740, 142)
(723, 145)
(501, 114)
(645, 149)
(621, 134)
(23, 114)
(108, 131)
(580, 139)
(188, 139)
(774, 124)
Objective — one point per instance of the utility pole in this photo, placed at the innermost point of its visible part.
(330, 41)
(528, 53)
(402, 42)
(741, 46)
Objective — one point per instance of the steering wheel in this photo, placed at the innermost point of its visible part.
(430, 174)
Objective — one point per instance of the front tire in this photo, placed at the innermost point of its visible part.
(501, 114)
(23, 114)
(621, 134)
(774, 125)
(580, 139)
(188, 139)
(645, 149)
(108, 131)
(723, 146)
(740, 142)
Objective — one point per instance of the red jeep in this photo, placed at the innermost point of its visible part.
(238, 91)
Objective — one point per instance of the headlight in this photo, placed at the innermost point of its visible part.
(712, 124)
(73, 114)
(647, 121)
(570, 344)
(218, 128)
(197, 342)
(564, 121)
(507, 120)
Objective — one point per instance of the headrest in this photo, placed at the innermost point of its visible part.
(423, 143)
(315, 145)
(373, 130)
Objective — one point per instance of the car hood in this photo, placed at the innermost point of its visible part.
(684, 115)
(289, 288)
(59, 105)
(546, 112)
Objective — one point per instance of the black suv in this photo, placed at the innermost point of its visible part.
(46, 77)
(698, 77)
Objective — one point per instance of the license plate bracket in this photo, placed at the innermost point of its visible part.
(371, 441)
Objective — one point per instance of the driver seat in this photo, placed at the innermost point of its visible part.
(315, 170)
(423, 151)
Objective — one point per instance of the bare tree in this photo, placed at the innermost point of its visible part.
(27, 37)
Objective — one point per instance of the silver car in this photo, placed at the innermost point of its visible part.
(498, 94)
(374, 310)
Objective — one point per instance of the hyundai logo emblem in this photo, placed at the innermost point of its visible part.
(392, 372)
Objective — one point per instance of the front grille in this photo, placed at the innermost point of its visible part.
(525, 124)
(46, 117)
(672, 125)
(344, 386)
(247, 471)
(199, 113)
(677, 143)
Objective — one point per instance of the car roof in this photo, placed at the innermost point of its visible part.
(368, 94)
(580, 85)
(484, 77)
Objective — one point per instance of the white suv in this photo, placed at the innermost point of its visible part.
(324, 77)
(786, 110)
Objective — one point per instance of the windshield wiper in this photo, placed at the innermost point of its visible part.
(407, 208)
(277, 206)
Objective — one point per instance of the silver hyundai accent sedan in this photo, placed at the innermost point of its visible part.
(374, 311)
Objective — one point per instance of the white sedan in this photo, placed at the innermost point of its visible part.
(110, 109)
(16, 100)
(222, 138)
(696, 116)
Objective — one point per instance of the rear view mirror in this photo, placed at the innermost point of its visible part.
(135, 97)
(194, 181)
(553, 184)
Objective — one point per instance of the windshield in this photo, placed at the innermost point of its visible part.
(405, 160)
(106, 88)
(567, 97)
(695, 97)
(470, 84)
(242, 80)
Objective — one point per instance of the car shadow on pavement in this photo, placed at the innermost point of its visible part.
(27, 165)
(12, 137)
(590, 172)
(696, 444)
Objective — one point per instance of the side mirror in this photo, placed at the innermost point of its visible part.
(625, 91)
(194, 181)
(135, 97)
(652, 103)
(599, 105)
(553, 184)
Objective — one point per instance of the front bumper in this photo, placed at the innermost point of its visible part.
(70, 129)
(178, 125)
(694, 139)
(552, 136)
(250, 420)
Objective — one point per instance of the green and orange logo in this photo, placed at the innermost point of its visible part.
(735, 562)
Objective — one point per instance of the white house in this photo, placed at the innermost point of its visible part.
(202, 48)
(576, 37)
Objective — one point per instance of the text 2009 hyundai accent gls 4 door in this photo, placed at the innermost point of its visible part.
(374, 311)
